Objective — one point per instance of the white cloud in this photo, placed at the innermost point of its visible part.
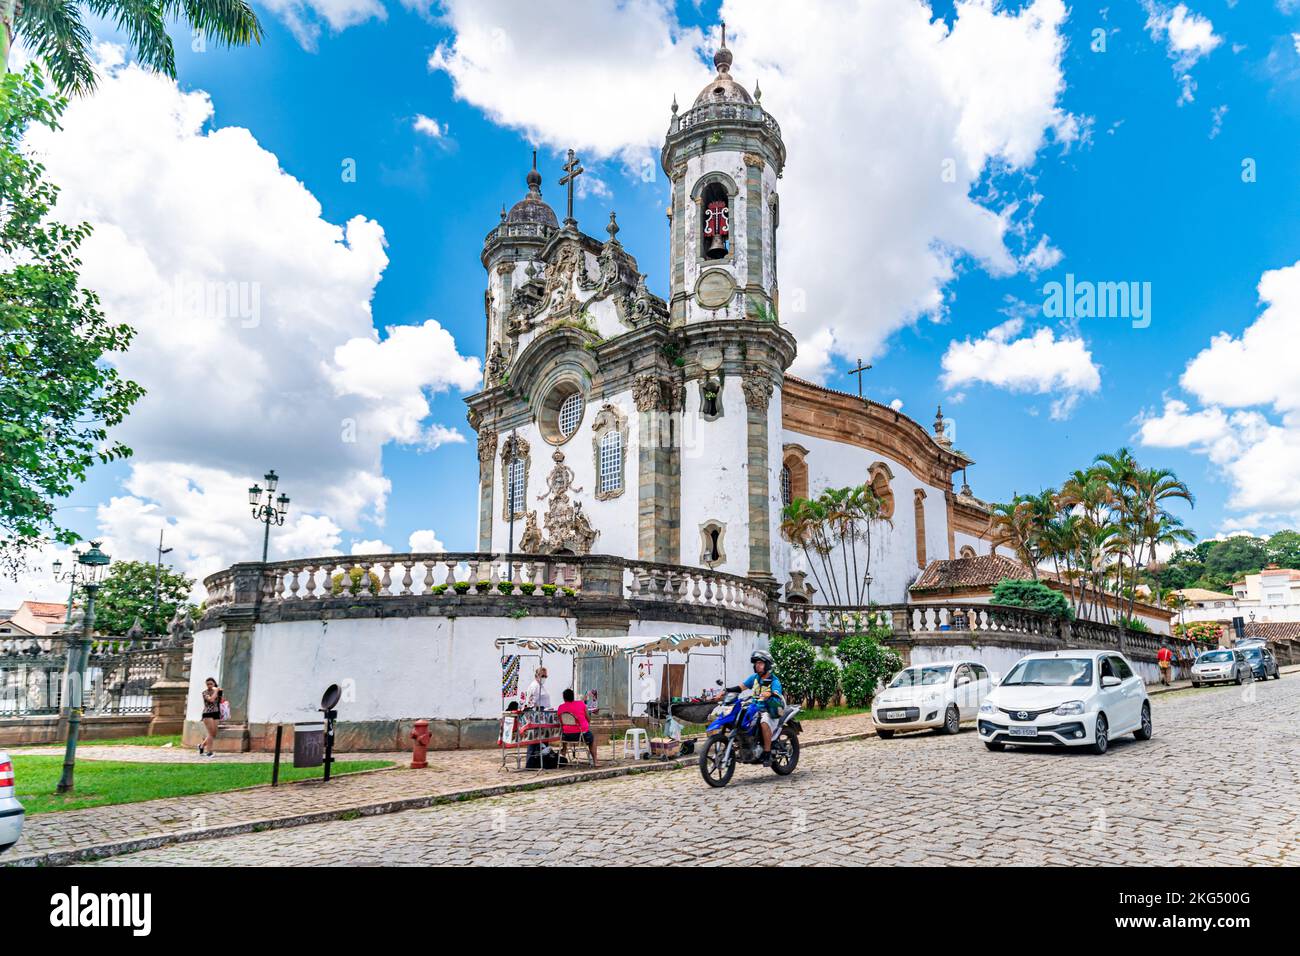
(371, 546)
(1249, 425)
(866, 170)
(1188, 36)
(304, 18)
(428, 126)
(255, 335)
(425, 541)
(1039, 363)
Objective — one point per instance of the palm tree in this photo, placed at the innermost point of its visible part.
(1012, 525)
(56, 32)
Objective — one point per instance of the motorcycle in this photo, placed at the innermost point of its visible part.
(734, 736)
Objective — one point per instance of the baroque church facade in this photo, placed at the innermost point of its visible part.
(614, 421)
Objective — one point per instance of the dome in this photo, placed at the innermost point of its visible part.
(533, 208)
(723, 88)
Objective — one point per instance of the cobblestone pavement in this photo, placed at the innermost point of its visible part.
(449, 772)
(1219, 784)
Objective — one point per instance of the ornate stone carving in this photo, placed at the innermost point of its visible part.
(757, 386)
(496, 365)
(647, 392)
(487, 446)
(567, 527)
(531, 542)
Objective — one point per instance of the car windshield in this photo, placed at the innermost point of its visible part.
(1252, 653)
(1051, 672)
(922, 676)
(1216, 657)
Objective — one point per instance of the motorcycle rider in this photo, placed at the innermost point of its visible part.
(766, 688)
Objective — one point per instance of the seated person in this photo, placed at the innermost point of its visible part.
(583, 732)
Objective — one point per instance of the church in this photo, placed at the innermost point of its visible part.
(614, 421)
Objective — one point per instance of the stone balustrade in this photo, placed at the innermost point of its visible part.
(448, 575)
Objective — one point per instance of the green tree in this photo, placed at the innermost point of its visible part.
(1232, 557)
(1284, 549)
(794, 657)
(825, 682)
(56, 31)
(1034, 595)
(127, 595)
(58, 398)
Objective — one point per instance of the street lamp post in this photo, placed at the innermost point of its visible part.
(157, 581)
(92, 562)
(71, 576)
(271, 511)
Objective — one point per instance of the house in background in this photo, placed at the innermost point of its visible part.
(33, 619)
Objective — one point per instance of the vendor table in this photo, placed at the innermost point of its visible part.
(521, 729)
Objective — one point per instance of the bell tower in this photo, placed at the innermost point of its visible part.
(723, 158)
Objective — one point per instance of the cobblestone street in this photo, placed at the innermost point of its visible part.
(1218, 785)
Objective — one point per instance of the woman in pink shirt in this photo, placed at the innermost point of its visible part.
(582, 731)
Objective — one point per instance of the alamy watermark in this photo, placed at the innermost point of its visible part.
(1084, 299)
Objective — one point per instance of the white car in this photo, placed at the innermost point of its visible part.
(11, 811)
(1066, 699)
(940, 694)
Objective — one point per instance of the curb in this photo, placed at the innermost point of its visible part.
(101, 851)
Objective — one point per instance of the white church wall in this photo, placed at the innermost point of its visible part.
(981, 545)
(614, 518)
(205, 662)
(780, 551)
(714, 478)
(893, 551)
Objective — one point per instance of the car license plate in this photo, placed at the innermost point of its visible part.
(895, 715)
(1024, 731)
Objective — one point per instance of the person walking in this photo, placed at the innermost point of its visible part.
(212, 699)
(1165, 658)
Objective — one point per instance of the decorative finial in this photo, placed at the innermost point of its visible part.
(674, 104)
(612, 228)
(722, 59)
(503, 212)
(758, 94)
(534, 178)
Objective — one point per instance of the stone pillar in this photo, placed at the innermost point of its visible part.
(169, 694)
(755, 293)
(677, 294)
(487, 451)
(658, 402)
(757, 386)
(238, 622)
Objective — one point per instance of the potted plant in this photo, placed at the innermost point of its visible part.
(483, 587)
(461, 587)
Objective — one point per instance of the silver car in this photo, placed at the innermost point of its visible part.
(1224, 666)
(11, 811)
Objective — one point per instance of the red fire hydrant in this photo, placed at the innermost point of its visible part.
(420, 734)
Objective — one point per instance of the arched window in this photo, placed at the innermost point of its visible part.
(715, 221)
(514, 477)
(879, 479)
(515, 505)
(609, 451)
(712, 552)
(794, 473)
(611, 462)
(786, 496)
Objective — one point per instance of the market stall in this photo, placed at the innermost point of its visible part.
(678, 661)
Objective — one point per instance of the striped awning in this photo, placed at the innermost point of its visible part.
(613, 646)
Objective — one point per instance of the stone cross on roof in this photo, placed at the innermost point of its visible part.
(572, 170)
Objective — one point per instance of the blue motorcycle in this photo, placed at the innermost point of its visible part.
(735, 737)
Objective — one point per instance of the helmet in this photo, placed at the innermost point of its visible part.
(763, 656)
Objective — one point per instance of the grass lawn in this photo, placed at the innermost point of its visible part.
(104, 782)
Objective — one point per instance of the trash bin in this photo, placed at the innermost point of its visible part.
(309, 744)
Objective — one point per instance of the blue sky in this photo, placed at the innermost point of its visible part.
(1126, 166)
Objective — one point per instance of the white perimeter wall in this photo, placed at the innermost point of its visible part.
(433, 667)
(1000, 660)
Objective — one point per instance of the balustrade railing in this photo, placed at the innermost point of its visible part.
(445, 575)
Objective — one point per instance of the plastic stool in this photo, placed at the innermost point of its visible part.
(639, 742)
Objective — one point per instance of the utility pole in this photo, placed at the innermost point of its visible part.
(157, 576)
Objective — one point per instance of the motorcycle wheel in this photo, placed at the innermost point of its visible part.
(714, 768)
(784, 761)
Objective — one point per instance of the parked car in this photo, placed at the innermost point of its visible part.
(1066, 699)
(11, 811)
(939, 695)
(1226, 665)
(1262, 663)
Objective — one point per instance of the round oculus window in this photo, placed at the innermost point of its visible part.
(570, 416)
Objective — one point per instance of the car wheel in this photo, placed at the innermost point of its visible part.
(1144, 732)
(952, 720)
(1196, 683)
(884, 734)
(995, 746)
(1238, 679)
(1101, 736)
